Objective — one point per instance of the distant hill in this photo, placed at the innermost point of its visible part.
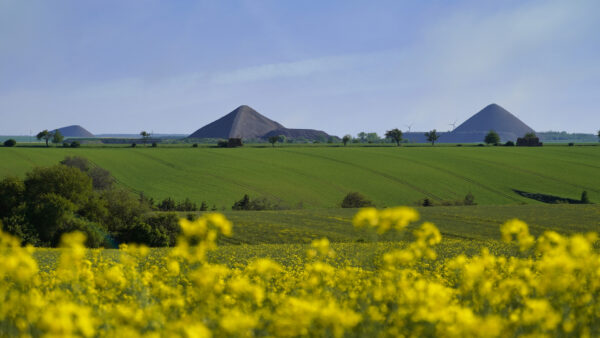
(309, 134)
(492, 117)
(242, 122)
(245, 122)
(74, 131)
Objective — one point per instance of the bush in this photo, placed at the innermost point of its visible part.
(133, 145)
(356, 200)
(154, 145)
(168, 204)
(584, 198)
(66, 145)
(469, 199)
(75, 144)
(260, 203)
(427, 202)
(10, 142)
(509, 144)
(571, 144)
(195, 145)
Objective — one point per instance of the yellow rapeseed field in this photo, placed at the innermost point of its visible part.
(551, 288)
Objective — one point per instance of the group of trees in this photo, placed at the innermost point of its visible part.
(169, 204)
(46, 135)
(75, 195)
(394, 135)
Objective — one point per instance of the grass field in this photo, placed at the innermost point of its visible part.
(319, 177)
(465, 222)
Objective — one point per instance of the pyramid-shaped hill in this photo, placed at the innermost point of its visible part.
(246, 123)
(243, 122)
(74, 131)
(492, 117)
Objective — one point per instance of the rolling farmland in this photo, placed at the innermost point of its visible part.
(319, 177)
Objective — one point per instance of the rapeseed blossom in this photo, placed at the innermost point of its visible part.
(550, 288)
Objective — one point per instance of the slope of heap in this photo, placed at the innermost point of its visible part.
(492, 117)
(245, 122)
(74, 131)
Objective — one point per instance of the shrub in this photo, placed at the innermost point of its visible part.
(427, 202)
(509, 144)
(154, 145)
(168, 204)
(584, 198)
(133, 145)
(469, 199)
(571, 144)
(481, 145)
(492, 137)
(66, 145)
(75, 144)
(10, 142)
(195, 145)
(78, 162)
(356, 200)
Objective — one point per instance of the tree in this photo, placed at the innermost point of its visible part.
(432, 136)
(346, 138)
(145, 137)
(584, 197)
(10, 142)
(362, 136)
(492, 138)
(57, 137)
(275, 139)
(598, 135)
(44, 135)
(356, 200)
(373, 138)
(394, 134)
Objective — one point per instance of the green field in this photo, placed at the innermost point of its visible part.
(319, 177)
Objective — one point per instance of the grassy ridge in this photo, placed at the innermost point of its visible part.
(319, 177)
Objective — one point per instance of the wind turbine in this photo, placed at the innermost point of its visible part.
(408, 126)
(453, 124)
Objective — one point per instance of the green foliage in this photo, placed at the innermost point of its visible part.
(154, 145)
(469, 199)
(584, 198)
(275, 139)
(145, 136)
(395, 135)
(356, 200)
(432, 136)
(509, 144)
(492, 138)
(57, 137)
(260, 203)
(44, 135)
(346, 138)
(75, 144)
(10, 142)
(66, 182)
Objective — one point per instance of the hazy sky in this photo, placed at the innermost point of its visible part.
(340, 66)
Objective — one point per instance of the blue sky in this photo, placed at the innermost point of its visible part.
(340, 66)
